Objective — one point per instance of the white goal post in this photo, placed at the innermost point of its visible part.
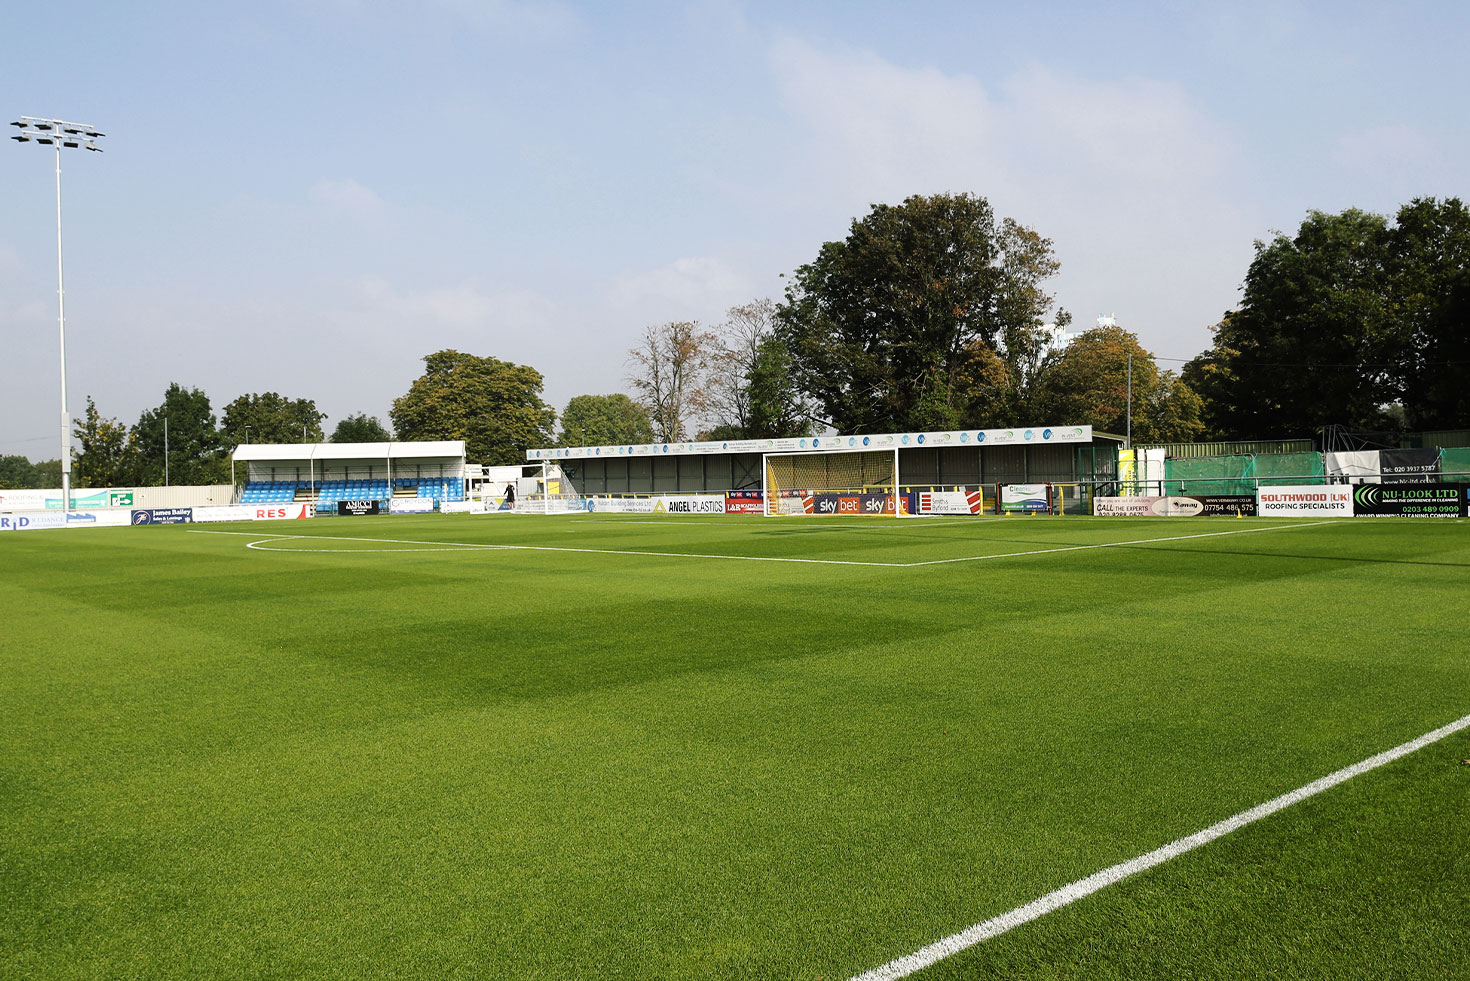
(847, 482)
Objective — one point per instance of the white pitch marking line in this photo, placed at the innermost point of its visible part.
(556, 548)
(465, 546)
(909, 964)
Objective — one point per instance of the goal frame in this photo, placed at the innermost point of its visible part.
(771, 491)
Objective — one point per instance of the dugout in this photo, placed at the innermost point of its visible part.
(1063, 454)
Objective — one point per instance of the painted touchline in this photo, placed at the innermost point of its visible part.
(909, 964)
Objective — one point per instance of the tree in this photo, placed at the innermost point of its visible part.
(671, 371)
(1315, 340)
(1429, 249)
(884, 328)
(774, 407)
(18, 473)
(360, 428)
(271, 418)
(494, 406)
(604, 420)
(1087, 384)
(745, 329)
(105, 457)
(195, 454)
(48, 474)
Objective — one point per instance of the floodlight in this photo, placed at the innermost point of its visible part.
(49, 132)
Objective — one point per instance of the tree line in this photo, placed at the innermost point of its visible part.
(934, 314)
(931, 314)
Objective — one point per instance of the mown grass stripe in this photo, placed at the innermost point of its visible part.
(909, 964)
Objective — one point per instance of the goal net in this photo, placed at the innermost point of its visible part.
(835, 482)
(551, 492)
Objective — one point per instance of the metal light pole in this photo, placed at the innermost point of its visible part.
(59, 133)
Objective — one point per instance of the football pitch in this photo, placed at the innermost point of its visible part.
(644, 747)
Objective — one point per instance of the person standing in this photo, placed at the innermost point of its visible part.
(510, 495)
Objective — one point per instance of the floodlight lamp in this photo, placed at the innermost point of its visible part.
(97, 149)
(22, 138)
(70, 143)
(46, 140)
(18, 123)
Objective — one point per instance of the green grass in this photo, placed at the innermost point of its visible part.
(336, 761)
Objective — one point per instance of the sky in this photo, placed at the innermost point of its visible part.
(308, 197)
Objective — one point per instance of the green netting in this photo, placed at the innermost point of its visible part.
(1241, 473)
(1274, 469)
(1454, 464)
(1210, 475)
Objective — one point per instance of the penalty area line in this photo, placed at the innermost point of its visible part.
(924, 957)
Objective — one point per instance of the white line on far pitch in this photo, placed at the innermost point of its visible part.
(909, 964)
(466, 546)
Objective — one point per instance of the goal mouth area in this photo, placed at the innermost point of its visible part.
(836, 482)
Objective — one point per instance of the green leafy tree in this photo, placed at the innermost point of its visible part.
(1087, 384)
(883, 328)
(104, 455)
(775, 407)
(1316, 339)
(48, 474)
(17, 473)
(494, 406)
(271, 418)
(360, 428)
(195, 454)
(604, 420)
(1429, 252)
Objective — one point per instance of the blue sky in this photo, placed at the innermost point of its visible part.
(309, 197)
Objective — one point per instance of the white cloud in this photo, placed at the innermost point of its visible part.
(1133, 181)
(689, 288)
(459, 308)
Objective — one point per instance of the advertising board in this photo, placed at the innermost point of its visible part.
(1305, 502)
(1229, 505)
(411, 505)
(1024, 498)
(1181, 506)
(46, 520)
(693, 504)
(357, 508)
(1409, 501)
(43, 500)
(162, 516)
(462, 507)
(620, 505)
(856, 504)
(1409, 466)
(254, 512)
(951, 502)
(743, 504)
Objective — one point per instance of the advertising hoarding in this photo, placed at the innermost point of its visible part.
(1305, 501)
(1409, 500)
(162, 516)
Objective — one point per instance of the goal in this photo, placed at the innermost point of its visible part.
(833, 482)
